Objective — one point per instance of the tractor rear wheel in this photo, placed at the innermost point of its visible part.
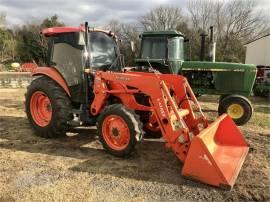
(237, 107)
(48, 108)
(119, 130)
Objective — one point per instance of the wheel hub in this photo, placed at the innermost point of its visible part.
(115, 132)
(235, 111)
(40, 108)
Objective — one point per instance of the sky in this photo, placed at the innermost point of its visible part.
(96, 12)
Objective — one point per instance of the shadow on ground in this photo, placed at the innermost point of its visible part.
(151, 161)
(14, 104)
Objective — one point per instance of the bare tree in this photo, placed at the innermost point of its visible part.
(238, 17)
(3, 21)
(7, 41)
(126, 33)
(242, 20)
(236, 22)
(201, 13)
(162, 18)
(114, 26)
(8, 48)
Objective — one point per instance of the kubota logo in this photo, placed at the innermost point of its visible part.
(122, 78)
(161, 108)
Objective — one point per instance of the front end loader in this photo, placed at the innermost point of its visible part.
(121, 103)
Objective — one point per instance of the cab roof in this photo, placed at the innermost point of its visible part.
(59, 30)
(162, 33)
(71, 29)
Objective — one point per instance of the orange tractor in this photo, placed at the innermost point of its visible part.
(85, 84)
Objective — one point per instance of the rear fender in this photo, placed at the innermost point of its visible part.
(54, 75)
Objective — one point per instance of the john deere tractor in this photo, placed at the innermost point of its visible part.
(233, 82)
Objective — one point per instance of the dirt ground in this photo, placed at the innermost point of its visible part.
(76, 168)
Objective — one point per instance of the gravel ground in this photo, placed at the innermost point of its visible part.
(76, 168)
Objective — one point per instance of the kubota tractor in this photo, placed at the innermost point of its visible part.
(85, 84)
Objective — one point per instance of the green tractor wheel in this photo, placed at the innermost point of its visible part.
(237, 107)
(222, 97)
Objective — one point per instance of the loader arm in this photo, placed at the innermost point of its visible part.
(212, 154)
(176, 124)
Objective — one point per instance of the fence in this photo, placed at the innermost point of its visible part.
(15, 79)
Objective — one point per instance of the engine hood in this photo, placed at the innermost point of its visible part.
(217, 66)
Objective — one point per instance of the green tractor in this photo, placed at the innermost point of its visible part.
(164, 51)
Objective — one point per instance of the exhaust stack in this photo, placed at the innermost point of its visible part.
(212, 52)
(202, 56)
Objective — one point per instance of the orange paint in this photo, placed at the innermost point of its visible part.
(213, 154)
(53, 74)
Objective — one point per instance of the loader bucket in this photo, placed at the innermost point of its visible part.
(216, 155)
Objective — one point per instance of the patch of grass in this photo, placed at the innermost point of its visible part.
(261, 119)
(261, 115)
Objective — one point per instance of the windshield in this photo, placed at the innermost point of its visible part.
(176, 48)
(103, 50)
(154, 48)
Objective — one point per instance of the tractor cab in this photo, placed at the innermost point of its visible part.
(164, 50)
(70, 56)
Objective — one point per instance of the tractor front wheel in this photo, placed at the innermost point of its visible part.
(237, 107)
(119, 130)
(47, 107)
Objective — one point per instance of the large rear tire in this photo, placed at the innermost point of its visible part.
(48, 108)
(119, 130)
(239, 108)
